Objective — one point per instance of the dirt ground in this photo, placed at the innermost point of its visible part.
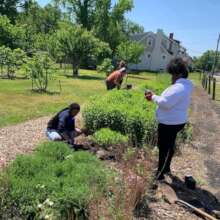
(200, 159)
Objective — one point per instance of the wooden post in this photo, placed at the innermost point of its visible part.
(209, 84)
(203, 80)
(206, 82)
(214, 88)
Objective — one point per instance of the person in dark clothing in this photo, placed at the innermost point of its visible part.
(172, 112)
(62, 125)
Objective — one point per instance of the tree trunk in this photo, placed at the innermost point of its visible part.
(75, 70)
(1, 70)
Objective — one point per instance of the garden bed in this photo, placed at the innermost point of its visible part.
(56, 183)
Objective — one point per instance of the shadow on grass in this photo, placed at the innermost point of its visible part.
(37, 91)
(14, 77)
(137, 72)
(86, 77)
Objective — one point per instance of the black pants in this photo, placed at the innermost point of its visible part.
(110, 85)
(166, 144)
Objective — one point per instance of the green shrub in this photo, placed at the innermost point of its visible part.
(53, 182)
(126, 112)
(106, 138)
(106, 66)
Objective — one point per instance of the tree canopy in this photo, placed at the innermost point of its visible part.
(207, 60)
(76, 43)
(77, 32)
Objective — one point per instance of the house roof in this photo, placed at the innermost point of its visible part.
(140, 36)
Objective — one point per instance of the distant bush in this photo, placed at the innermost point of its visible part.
(11, 60)
(106, 138)
(39, 68)
(106, 66)
(53, 183)
(126, 112)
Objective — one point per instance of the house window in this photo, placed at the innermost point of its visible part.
(164, 57)
(148, 55)
(149, 43)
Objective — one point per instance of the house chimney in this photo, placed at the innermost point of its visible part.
(171, 41)
(171, 35)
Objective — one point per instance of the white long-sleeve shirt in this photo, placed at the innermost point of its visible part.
(174, 102)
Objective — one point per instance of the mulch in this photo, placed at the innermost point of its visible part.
(21, 139)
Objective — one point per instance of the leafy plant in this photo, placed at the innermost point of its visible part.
(106, 66)
(129, 51)
(77, 44)
(126, 112)
(12, 60)
(52, 183)
(39, 68)
(105, 137)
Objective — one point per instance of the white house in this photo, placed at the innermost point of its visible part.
(159, 50)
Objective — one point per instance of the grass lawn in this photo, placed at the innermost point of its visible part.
(19, 103)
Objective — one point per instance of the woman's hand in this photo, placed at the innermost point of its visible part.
(78, 131)
(148, 95)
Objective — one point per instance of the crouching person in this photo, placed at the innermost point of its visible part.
(115, 79)
(62, 126)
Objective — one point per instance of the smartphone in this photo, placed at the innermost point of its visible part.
(147, 91)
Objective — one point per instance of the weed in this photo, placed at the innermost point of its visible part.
(106, 138)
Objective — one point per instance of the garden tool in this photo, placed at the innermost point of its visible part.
(172, 199)
(127, 86)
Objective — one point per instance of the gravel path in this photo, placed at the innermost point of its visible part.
(21, 138)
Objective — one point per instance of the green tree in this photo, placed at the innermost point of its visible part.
(106, 66)
(10, 35)
(3, 58)
(129, 51)
(14, 60)
(117, 23)
(40, 20)
(108, 23)
(206, 61)
(82, 11)
(102, 19)
(9, 8)
(132, 28)
(77, 43)
(55, 50)
(39, 68)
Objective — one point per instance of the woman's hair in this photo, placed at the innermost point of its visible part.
(178, 66)
(74, 106)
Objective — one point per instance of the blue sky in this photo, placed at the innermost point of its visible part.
(196, 23)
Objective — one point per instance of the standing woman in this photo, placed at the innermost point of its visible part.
(172, 112)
